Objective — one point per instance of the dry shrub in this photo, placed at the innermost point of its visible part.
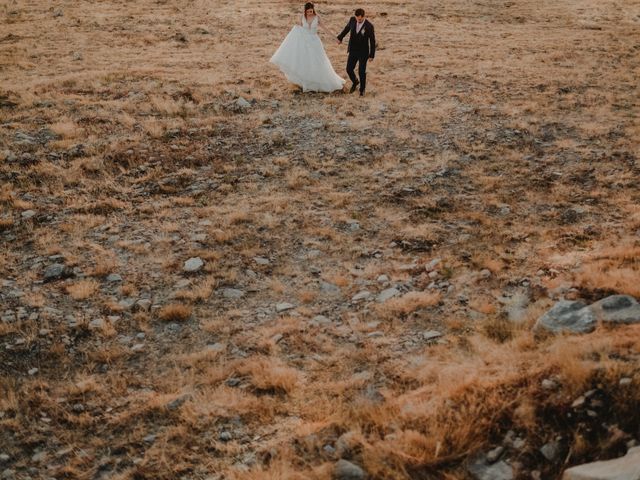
(198, 293)
(498, 329)
(270, 375)
(598, 276)
(410, 302)
(6, 223)
(175, 312)
(83, 289)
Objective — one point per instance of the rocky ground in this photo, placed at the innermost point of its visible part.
(206, 274)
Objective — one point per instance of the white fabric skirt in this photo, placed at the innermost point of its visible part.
(302, 59)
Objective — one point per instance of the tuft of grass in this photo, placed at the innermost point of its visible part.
(175, 312)
(83, 289)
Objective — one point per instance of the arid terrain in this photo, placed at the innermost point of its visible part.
(207, 274)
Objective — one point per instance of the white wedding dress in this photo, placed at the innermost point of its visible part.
(302, 59)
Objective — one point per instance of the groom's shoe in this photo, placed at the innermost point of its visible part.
(354, 86)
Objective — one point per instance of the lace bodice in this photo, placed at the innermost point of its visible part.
(313, 26)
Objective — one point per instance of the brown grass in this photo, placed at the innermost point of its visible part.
(175, 312)
(83, 289)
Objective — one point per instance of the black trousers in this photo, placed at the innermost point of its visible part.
(356, 58)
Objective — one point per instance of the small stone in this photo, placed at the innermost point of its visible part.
(283, 307)
(551, 451)
(498, 471)
(114, 278)
(4, 457)
(127, 303)
(98, 323)
(78, 408)
(33, 371)
(382, 279)
(494, 455)
(625, 381)
(177, 403)
(431, 335)
(216, 347)
(315, 270)
(261, 260)
(432, 264)
(321, 320)
(578, 402)
(485, 273)
(277, 337)
(149, 438)
(143, 304)
(242, 103)
(364, 295)
(345, 470)
(193, 264)
(387, 294)
(55, 272)
(137, 348)
(232, 293)
(548, 384)
(225, 436)
(27, 214)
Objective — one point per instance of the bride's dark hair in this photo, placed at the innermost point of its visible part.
(309, 6)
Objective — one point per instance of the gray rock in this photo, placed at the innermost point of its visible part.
(284, 306)
(225, 436)
(56, 272)
(261, 260)
(494, 455)
(98, 323)
(382, 279)
(232, 293)
(321, 320)
(149, 438)
(364, 295)
(33, 371)
(193, 265)
(623, 468)
(4, 457)
(486, 273)
(387, 294)
(431, 335)
(551, 451)
(178, 402)
(625, 381)
(345, 470)
(27, 214)
(548, 384)
(567, 316)
(480, 470)
(329, 288)
(432, 264)
(143, 304)
(617, 309)
(114, 278)
(216, 347)
(127, 303)
(137, 348)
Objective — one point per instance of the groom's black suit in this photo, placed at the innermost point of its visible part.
(362, 47)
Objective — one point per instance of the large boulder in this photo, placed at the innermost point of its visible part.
(617, 309)
(624, 468)
(567, 316)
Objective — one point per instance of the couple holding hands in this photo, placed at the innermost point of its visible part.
(303, 60)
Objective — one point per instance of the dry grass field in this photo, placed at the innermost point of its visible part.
(370, 268)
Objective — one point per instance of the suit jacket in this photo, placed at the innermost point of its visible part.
(363, 43)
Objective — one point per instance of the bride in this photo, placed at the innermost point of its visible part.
(302, 59)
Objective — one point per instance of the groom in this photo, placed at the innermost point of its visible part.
(362, 48)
